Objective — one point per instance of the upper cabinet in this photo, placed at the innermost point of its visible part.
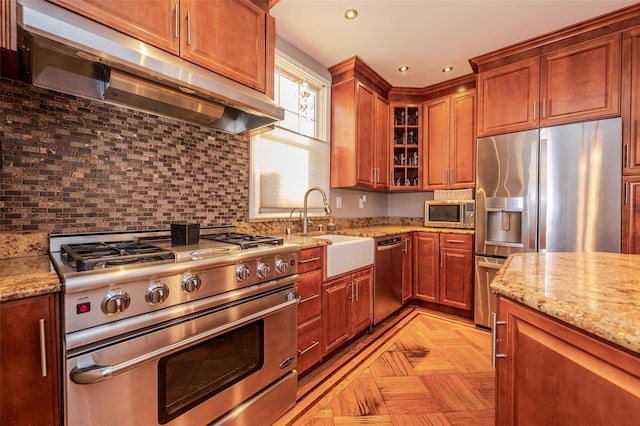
(407, 141)
(576, 83)
(359, 127)
(232, 38)
(450, 141)
(631, 101)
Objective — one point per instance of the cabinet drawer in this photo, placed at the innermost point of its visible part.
(309, 259)
(309, 347)
(309, 288)
(459, 241)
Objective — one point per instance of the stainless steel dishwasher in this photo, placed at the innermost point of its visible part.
(387, 293)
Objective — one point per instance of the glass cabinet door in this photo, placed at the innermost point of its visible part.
(406, 143)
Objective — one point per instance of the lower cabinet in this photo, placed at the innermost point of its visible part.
(407, 266)
(347, 307)
(309, 309)
(29, 362)
(592, 383)
(443, 269)
(631, 215)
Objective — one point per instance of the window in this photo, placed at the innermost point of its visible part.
(293, 157)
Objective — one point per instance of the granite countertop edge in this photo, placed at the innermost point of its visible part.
(27, 276)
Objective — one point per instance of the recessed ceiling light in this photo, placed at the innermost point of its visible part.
(447, 69)
(350, 14)
(403, 68)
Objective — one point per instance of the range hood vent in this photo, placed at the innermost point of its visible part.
(62, 51)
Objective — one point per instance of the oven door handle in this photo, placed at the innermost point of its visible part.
(98, 373)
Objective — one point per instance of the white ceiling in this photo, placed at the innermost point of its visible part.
(426, 35)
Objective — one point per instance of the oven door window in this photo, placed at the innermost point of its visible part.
(445, 213)
(195, 374)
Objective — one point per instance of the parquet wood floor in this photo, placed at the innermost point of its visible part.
(426, 369)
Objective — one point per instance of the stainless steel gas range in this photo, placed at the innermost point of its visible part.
(160, 334)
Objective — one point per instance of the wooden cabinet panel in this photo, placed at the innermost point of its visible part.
(309, 259)
(29, 395)
(365, 121)
(362, 313)
(407, 266)
(462, 149)
(382, 143)
(336, 306)
(309, 288)
(456, 271)
(407, 147)
(631, 100)
(581, 82)
(155, 22)
(436, 143)
(309, 344)
(228, 37)
(507, 98)
(426, 257)
(631, 215)
(554, 374)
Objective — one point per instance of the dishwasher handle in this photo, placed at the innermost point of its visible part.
(389, 243)
(390, 247)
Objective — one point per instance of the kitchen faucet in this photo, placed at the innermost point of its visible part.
(289, 221)
(327, 207)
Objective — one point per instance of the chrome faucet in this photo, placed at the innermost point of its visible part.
(327, 207)
(289, 221)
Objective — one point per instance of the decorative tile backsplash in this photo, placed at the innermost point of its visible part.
(71, 164)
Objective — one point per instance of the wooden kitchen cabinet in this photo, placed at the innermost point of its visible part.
(29, 384)
(631, 215)
(309, 308)
(443, 269)
(631, 101)
(456, 271)
(449, 146)
(407, 266)
(347, 307)
(407, 142)
(580, 82)
(555, 374)
(359, 127)
(233, 38)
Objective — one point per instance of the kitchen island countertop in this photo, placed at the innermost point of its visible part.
(595, 292)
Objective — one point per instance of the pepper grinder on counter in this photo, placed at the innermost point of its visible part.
(331, 226)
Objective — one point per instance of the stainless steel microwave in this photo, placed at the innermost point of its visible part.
(450, 213)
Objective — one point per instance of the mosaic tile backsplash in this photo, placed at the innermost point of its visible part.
(75, 165)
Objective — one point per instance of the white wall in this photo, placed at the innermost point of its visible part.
(378, 204)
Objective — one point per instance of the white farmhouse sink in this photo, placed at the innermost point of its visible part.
(346, 253)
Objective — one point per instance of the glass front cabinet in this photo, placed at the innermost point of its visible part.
(407, 147)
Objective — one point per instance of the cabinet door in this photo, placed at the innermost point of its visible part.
(553, 374)
(407, 265)
(365, 108)
(581, 82)
(508, 98)
(631, 215)
(462, 142)
(436, 143)
(362, 301)
(336, 306)
(631, 101)
(228, 37)
(28, 394)
(382, 143)
(153, 21)
(309, 288)
(456, 278)
(426, 256)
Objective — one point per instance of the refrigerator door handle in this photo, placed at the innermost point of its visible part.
(542, 199)
(533, 198)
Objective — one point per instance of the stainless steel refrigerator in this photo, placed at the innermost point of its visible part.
(556, 189)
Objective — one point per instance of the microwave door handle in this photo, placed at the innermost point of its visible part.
(98, 373)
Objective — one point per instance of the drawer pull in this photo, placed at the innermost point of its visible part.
(313, 345)
(455, 241)
(313, 296)
(312, 259)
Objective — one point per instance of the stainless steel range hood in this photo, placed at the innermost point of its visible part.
(62, 51)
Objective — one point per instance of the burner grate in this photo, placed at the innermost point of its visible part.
(89, 256)
(245, 241)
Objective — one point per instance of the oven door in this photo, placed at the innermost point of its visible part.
(192, 370)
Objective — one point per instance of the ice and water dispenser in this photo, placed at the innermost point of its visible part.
(504, 221)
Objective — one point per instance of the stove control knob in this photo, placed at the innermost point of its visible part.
(281, 266)
(191, 283)
(115, 303)
(157, 294)
(263, 270)
(242, 272)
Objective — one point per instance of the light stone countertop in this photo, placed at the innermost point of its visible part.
(27, 276)
(595, 292)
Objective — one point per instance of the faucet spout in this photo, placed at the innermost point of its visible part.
(289, 227)
(326, 206)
